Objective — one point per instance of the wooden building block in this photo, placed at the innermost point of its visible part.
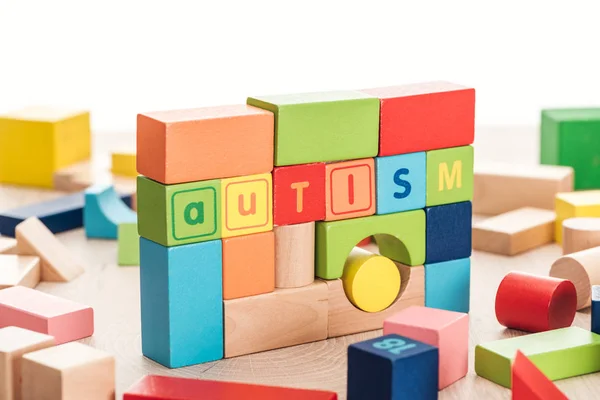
(335, 240)
(503, 187)
(580, 234)
(68, 371)
(345, 319)
(529, 383)
(595, 309)
(154, 387)
(571, 137)
(181, 294)
(581, 268)
(294, 255)
(327, 126)
(446, 330)
(74, 178)
(14, 343)
(575, 204)
(8, 245)
(123, 164)
(298, 194)
(37, 141)
(425, 116)
(204, 143)
(248, 265)
(401, 182)
(128, 251)
(40, 312)
(535, 303)
(247, 205)
(57, 262)
(515, 231)
(449, 175)
(392, 367)
(104, 211)
(448, 232)
(294, 316)
(19, 271)
(349, 189)
(448, 285)
(559, 354)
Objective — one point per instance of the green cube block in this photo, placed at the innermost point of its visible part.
(571, 137)
(327, 126)
(178, 214)
(449, 175)
(128, 244)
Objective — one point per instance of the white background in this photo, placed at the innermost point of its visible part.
(121, 57)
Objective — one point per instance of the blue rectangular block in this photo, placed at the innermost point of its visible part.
(182, 302)
(448, 232)
(401, 182)
(448, 285)
(392, 367)
(596, 309)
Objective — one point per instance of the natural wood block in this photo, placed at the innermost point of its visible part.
(247, 205)
(580, 234)
(350, 189)
(74, 178)
(8, 245)
(575, 204)
(14, 343)
(294, 316)
(19, 271)
(294, 255)
(57, 262)
(496, 186)
(529, 383)
(581, 268)
(515, 231)
(44, 313)
(68, 372)
(123, 164)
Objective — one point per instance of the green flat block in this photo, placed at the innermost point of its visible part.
(328, 126)
(179, 214)
(128, 244)
(449, 175)
(559, 354)
(571, 137)
(400, 236)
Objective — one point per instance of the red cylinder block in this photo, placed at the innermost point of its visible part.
(535, 303)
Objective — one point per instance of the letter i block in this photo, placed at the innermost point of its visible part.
(298, 194)
(246, 202)
(349, 189)
(392, 367)
(449, 175)
(179, 214)
(400, 182)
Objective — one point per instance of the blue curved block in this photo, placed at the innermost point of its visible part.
(104, 211)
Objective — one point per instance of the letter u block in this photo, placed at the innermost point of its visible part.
(247, 204)
(449, 175)
(349, 189)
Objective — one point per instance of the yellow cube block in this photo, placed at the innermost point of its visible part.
(124, 164)
(575, 204)
(35, 142)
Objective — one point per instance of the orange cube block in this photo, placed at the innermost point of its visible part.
(349, 189)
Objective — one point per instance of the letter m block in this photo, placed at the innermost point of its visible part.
(449, 175)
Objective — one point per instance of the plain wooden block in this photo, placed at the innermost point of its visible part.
(104, 211)
(74, 178)
(8, 245)
(19, 271)
(448, 232)
(123, 164)
(350, 189)
(14, 343)
(503, 187)
(575, 204)
(580, 234)
(515, 231)
(37, 311)
(581, 268)
(57, 262)
(294, 255)
(68, 372)
(529, 383)
(128, 242)
(293, 316)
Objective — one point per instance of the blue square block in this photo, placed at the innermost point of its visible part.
(401, 182)
(392, 367)
(182, 302)
(595, 309)
(448, 285)
(448, 232)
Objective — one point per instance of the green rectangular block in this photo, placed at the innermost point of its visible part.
(128, 241)
(449, 175)
(178, 214)
(559, 354)
(328, 126)
(571, 137)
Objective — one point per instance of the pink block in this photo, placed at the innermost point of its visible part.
(447, 330)
(44, 313)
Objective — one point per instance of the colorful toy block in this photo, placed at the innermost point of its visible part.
(128, 250)
(294, 255)
(204, 143)
(529, 383)
(581, 268)
(446, 330)
(8, 245)
(298, 194)
(559, 354)
(570, 137)
(19, 271)
(123, 164)
(448, 232)
(449, 175)
(181, 302)
(447, 285)
(104, 211)
(580, 234)
(349, 189)
(595, 309)
(392, 367)
(575, 204)
(37, 141)
(40, 312)
(400, 182)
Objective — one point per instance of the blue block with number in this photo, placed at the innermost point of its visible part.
(392, 367)
(448, 234)
(401, 182)
(448, 285)
(596, 309)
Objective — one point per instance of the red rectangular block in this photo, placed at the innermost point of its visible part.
(424, 116)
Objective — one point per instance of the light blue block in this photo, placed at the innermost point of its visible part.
(401, 182)
(104, 211)
(182, 302)
(448, 285)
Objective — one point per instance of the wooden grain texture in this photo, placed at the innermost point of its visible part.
(581, 268)
(294, 255)
(19, 270)
(580, 234)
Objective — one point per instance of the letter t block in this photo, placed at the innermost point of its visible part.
(449, 175)
(299, 194)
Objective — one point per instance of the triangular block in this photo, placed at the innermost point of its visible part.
(529, 383)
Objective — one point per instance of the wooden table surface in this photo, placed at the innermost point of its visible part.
(113, 292)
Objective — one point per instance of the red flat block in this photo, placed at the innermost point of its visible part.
(535, 303)
(424, 116)
(529, 383)
(153, 387)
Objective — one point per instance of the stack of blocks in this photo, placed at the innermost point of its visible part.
(240, 207)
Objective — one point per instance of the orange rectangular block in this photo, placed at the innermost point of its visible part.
(349, 189)
(204, 143)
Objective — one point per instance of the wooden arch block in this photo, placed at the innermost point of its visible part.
(104, 211)
(581, 268)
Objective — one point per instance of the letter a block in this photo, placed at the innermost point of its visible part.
(247, 205)
(449, 175)
(350, 189)
(400, 182)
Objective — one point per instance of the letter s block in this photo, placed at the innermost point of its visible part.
(298, 194)
(246, 202)
(349, 189)
(178, 214)
(449, 175)
(400, 182)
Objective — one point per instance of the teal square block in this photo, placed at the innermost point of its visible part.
(400, 182)
(448, 285)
